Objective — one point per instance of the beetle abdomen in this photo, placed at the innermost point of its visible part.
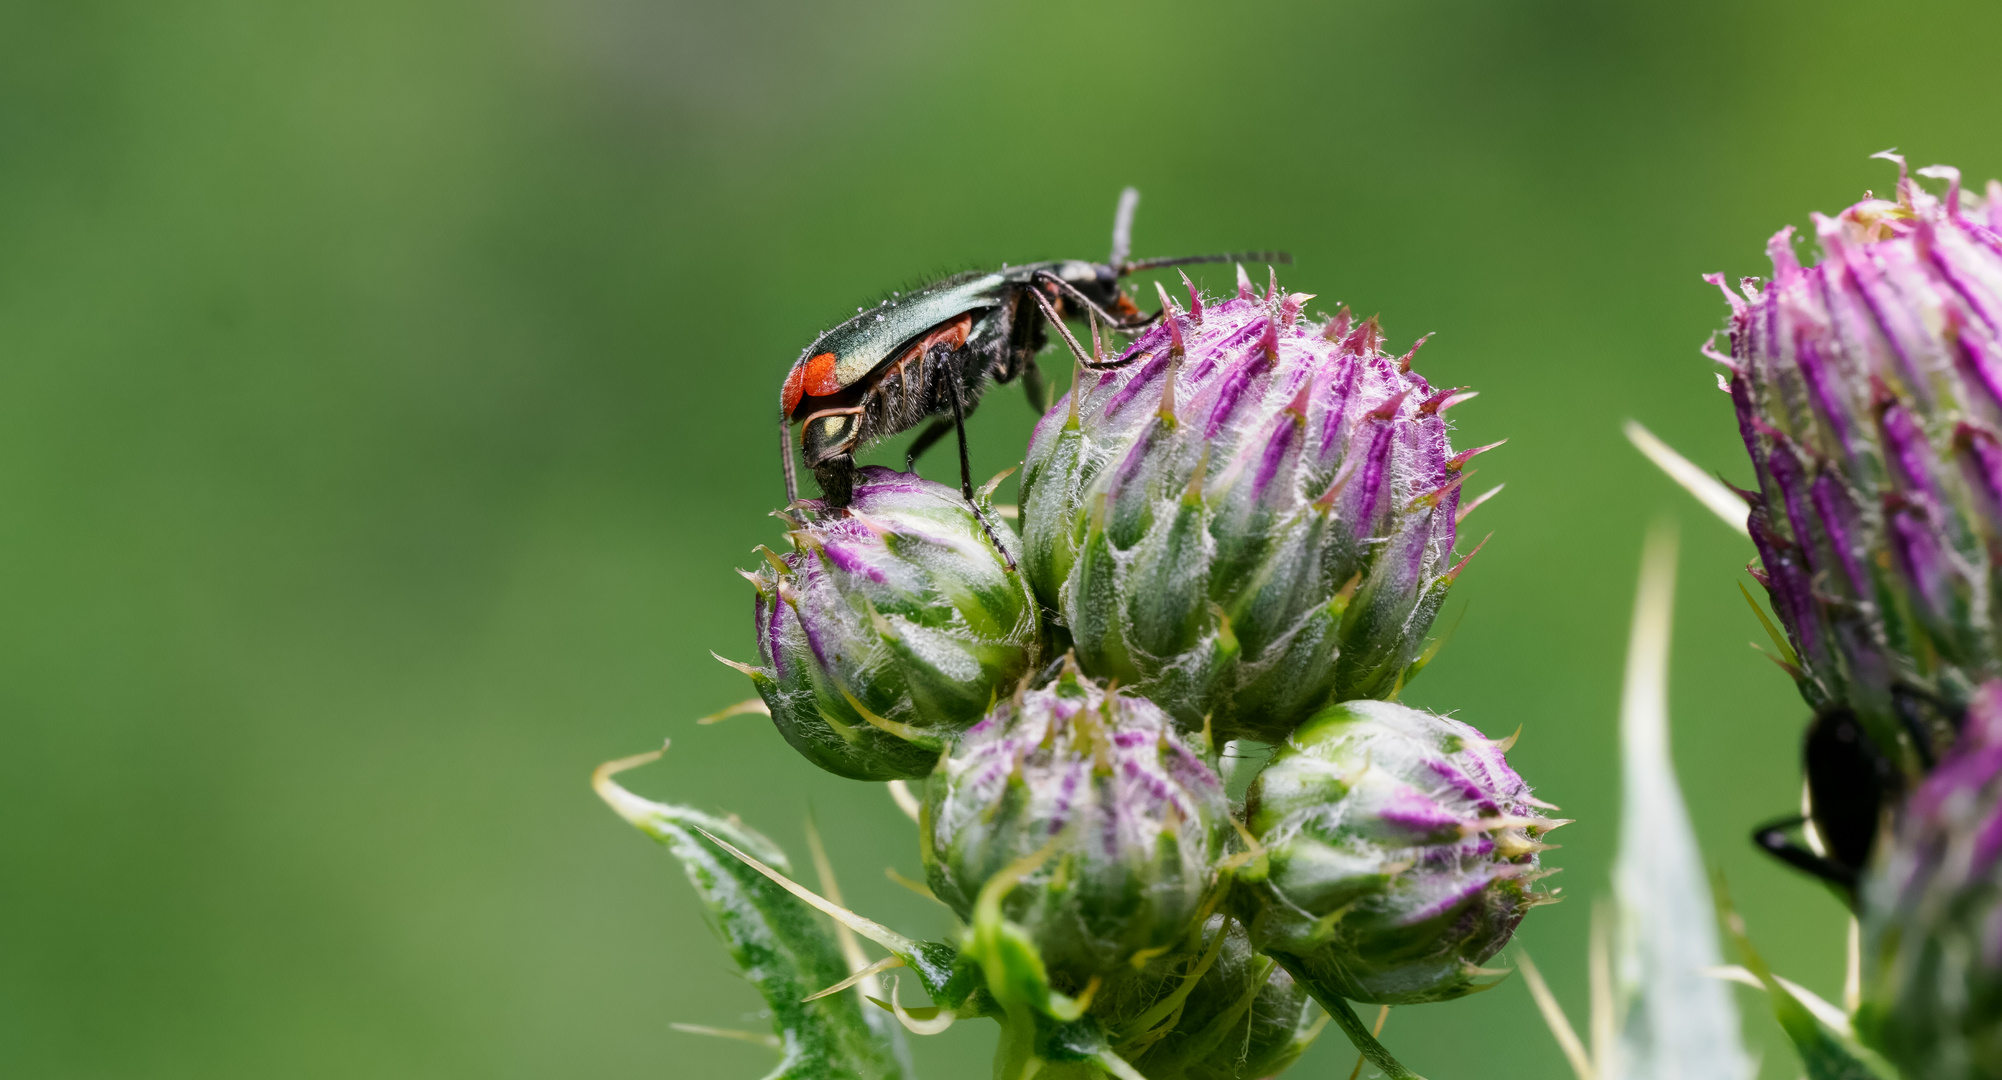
(897, 396)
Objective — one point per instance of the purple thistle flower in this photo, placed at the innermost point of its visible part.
(1866, 389)
(888, 628)
(1251, 516)
(1399, 852)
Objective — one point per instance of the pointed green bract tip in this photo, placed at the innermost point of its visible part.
(891, 629)
(1401, 851)
(1080, 819)
(1217, 491)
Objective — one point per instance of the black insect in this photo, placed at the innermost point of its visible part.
(933, 352)
(1851, 783)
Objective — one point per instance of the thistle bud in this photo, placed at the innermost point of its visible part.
(1250, 516)
(889, 627)
(1117, 813)
(1244, 1019)
(1399, 853)
(1931, 915)
(1868, 390)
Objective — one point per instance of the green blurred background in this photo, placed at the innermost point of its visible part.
(384, 404)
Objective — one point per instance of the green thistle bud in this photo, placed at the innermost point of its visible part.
(1252, 516)
(1245, 1017)
(1400, 851)
(1931, 913)
(888, 628)
(1120, 817)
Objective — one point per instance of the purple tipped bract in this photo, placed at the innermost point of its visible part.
(1247, 513)
(1400, 851)
(1116, 812)
(1868, 389)
(890, 626)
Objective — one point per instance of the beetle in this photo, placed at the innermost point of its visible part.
(931, 354)
(1851, 783)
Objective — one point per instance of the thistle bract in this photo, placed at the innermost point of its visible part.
(1244, 1019)
(1400, 851)
(1251, 516)
(889, 627)
(1868, 389)
(1932, 915)
(1105, 817)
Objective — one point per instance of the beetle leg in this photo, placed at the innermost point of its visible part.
(1050, 313)
(956, 390)
(1772, 839)
(1032, 384)
(836, 477)
(1111, 320)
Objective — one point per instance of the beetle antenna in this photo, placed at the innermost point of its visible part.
(1122, 226)
(1137, 265)
(785, 455)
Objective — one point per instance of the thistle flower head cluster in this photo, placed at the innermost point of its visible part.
(1399, 853)
(1244, 517)
(888, 628)
(1868, 388)
(1249, 514)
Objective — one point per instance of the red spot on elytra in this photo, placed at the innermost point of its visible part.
(813, 377)
(816, 376)
(789, 397)
(820, 378)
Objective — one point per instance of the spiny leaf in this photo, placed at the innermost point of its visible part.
(1827, 1052)
(1678, 1022)
(778, 941)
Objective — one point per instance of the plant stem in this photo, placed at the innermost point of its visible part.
(1016, 1054)
(1358, 1034)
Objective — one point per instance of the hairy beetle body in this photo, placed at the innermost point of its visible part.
(892, 367)
(930, 355)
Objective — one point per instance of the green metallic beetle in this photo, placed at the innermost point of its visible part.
(933, 353)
